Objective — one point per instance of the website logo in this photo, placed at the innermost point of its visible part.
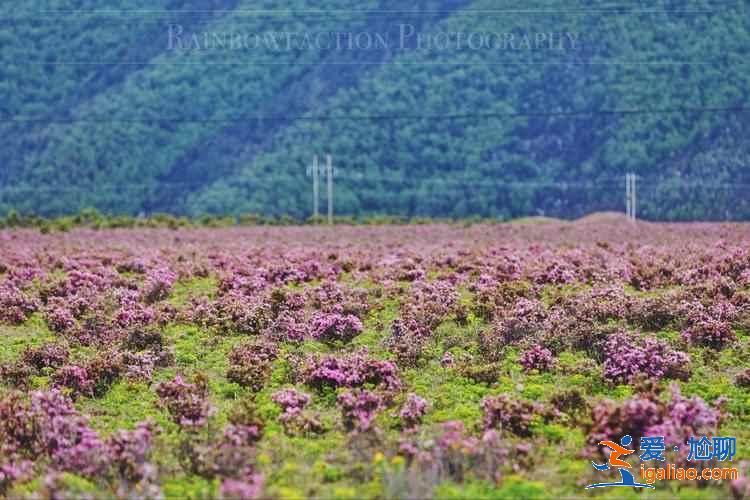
(615, 462)
(703, 449)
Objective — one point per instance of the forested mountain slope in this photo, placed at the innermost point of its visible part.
(548, 120)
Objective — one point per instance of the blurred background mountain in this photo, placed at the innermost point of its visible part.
(137, 107)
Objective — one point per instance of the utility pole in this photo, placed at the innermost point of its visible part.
(329, 175)
(630, 196)
(634, 203)
(316, 187)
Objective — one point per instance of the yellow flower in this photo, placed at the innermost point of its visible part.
(264, 459)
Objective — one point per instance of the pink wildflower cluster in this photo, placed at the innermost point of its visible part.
(710, 327)
(429, 305)
(742, 379)
(294, 418)
(451, 453)
(288, 326)
(233, 313)
(525, 320)
(34, 361)
(158, 284)
(46, 356)
(626, 358)
(351, 370)
(48, 425)
(249, 488)
(15, 305)
(509, 414)
(359, 408)
(331, 327)
(229, 457)
(413, 411)
(646, 415)
(537, 358)
(92, 378)
(250, 364)
(332, 297)
(493, 295)
(187, 403)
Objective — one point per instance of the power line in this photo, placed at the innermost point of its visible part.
(613, 182)
(613, 9)
(374, 63)
(395, 117)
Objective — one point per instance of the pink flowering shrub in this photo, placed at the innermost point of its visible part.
(75, 378)
(283, 300)
(65, 436)
(359, 408)
(413, 410)
(740, 487)
(45, 356)
(291, 401)
(611, 420)
(537, 358)
(742, 379)
(59, 318)
(187, 403)
(231, 455)
(140, 366)
(709, 327)
(431, 302)
(15, 306)
(158, 284)
(492, 297)
(294, 418)
(450, 453)
(646, 415)
(599, 304)
(331, 327)
(129, 454)
(134, 314)
(233, 313)
(332, 297)
(141, 339)
(428, 306)
(250, 364)
(16, 374)
(48, 427)
(626, 359)
(556, 271)
(19, 435)
(14, 471)
(407, 340)
(288, 326)
(654, 313)
(709, 332)
(522, 323)
(512, 415)
(146, 348)
(352, 370)
(250, 488)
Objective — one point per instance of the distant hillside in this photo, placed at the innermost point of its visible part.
(100, 109)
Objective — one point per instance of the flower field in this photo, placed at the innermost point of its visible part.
(368, 362)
